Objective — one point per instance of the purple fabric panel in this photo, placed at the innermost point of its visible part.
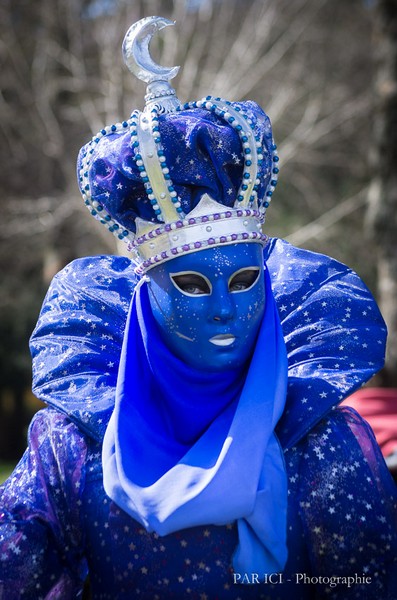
(347, 507)
(343, 520)
(40, 531)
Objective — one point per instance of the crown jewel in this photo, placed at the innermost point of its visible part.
(134, 154)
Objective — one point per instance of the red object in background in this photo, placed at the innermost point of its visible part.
(378, 406)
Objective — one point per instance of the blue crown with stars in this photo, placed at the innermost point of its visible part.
(175, 179)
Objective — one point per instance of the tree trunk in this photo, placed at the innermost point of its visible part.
(383, 191)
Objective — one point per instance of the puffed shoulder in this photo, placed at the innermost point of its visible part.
(334, 333)
(77, 341)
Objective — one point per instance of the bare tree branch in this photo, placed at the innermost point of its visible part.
(318, 227)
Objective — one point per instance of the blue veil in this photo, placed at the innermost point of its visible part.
(174, 469)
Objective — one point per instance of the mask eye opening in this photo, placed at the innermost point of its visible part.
(243, 280)
(191, 283)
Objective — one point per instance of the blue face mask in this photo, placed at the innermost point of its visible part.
(209, 305)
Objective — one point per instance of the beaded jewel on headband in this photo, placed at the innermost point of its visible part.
(175, 178)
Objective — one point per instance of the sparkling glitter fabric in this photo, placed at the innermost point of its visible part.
(57, 524)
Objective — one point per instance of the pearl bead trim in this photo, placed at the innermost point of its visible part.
(174, 251)
(96, 209)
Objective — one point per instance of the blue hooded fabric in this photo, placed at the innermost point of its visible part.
(169, 482)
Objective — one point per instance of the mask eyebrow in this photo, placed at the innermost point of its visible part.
(185, 279)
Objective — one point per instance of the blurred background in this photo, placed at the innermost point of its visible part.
(325, 72)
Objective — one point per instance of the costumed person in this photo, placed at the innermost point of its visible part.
(192, 447)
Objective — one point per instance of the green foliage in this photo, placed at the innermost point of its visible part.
(6, 469)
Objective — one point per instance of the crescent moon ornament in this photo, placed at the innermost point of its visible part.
(136, 50)
(137, 57)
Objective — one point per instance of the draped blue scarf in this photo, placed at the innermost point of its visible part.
(186, 448)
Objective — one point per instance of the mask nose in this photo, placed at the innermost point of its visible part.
(222, 309)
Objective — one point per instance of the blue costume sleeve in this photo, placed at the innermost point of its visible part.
(347, 508)
(41, 538)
